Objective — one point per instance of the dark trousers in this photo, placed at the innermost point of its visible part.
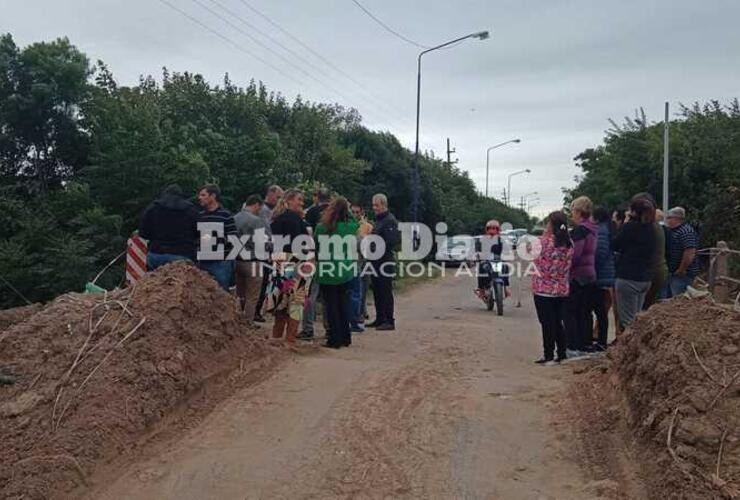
(484, 275)
(263, 290)
(599, 308)
(336, 309)
(550, 312)
(578, 320)
(383, 296)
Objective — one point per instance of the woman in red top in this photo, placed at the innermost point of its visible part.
(551, 285)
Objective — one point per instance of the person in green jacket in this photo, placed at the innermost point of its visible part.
(336, 265)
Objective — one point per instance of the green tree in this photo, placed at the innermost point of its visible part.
(41, 90)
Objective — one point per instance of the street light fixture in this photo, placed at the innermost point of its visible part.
(480, 35)
(488, 151)
(508, 185)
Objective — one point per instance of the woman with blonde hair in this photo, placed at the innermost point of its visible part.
(578, 321)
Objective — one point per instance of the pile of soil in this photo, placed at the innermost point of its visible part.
(97, 373)
(676, 372)
(10, 317)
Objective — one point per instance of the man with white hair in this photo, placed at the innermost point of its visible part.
(273, 195)
(682, 262)
(386, 227)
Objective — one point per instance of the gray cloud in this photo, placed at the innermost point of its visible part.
(552, 74)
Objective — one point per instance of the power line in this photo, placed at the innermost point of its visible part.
(248, 52)
(388, 28)
(316, 54)
(231, 42)
(268, 48)
(300, 42)
(282, 46)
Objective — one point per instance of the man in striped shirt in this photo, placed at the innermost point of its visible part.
(682, 262)
(215, 224)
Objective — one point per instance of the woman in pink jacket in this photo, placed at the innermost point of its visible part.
(551, 285)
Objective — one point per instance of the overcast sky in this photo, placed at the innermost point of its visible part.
(552, 73)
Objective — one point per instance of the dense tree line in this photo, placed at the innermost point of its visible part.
(704, 167)
(81, 156)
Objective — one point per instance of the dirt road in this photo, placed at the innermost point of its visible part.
(448, 406)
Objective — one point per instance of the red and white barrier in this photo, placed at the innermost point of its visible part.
(135, 258)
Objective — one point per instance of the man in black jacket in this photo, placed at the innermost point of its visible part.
(321, 198)
(386, 227)
(170, 225)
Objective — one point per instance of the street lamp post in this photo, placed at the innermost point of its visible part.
(508, 184)
(488, 156)
(481, 35)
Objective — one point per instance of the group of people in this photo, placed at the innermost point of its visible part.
(625, 260)
(280, 283)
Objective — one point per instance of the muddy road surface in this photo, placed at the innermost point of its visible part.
(450, 405)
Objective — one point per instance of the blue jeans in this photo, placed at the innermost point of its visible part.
(354, 294)
(679, 284)
(155, 260)
(221, 270)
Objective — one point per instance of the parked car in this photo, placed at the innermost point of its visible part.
(458, 249)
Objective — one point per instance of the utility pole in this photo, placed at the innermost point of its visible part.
(449, 154)
(666, 126)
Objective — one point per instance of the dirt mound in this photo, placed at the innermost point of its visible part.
(96, 373)
(678, 371)
(10, 317)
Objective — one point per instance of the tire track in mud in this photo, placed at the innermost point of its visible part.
(392, 437)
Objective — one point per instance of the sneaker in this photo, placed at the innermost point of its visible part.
(357, 329)
(542, 361)
(561, 360)
(386, 327)
(258, 318)
(374, 324)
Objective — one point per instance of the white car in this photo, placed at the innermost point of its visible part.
(513, 235)
(458, 249)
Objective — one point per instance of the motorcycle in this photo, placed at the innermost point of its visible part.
(494, 294)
